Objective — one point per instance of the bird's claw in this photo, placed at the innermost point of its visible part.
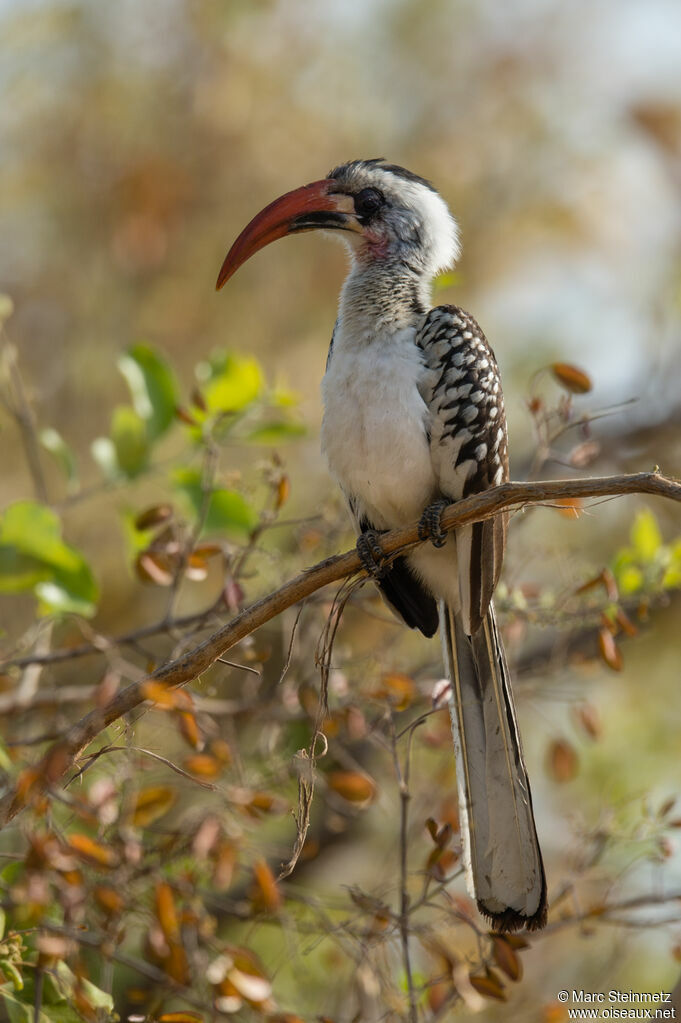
(430, 524)
(370, 554)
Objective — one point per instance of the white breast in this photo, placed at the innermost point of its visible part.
(374, 427)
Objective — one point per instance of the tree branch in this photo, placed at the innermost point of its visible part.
(102, 645)
(60, 757)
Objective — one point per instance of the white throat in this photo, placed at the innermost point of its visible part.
(378, 300)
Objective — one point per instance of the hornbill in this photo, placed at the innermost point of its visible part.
(413, 420)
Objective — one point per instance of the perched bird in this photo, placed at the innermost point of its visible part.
(413, 420)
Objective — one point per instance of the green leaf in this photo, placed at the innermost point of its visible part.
(70, 592)
(130, 440)
(21, 1010)
(19, 572)
(9, 964)
(12, 973)
(629, 579)
(35, 530)
(671, 580)
(33, 556)
(228, 510)
(273, 433)
(100, 999)
(53, 442)
(153, 387)
(672, 576)
(230, 382)
(64, 598)
(645, 536)
(18, 1010)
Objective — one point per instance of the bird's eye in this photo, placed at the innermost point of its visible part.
(368, 202)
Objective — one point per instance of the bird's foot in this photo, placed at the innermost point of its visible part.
(430, 524)
(370, 554)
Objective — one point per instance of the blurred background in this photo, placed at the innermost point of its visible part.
(136, 140)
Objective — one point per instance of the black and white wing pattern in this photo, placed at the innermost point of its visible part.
(469, 443)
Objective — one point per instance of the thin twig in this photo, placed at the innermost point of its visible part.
(289, 653)
(19, 407)
(162, 760)
(30, 679)
(63, 695)
(60, 757)
(403, 785)
(608, 913)
(241, 667)
(102, 645)
(308, 758)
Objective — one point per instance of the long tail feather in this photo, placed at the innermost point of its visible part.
(502, 858)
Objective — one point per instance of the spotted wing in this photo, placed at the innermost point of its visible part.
(469, 444)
